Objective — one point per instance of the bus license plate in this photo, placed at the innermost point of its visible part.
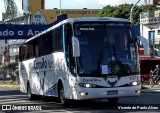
(112, 92)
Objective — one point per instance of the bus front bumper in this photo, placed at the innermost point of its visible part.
(102, 93)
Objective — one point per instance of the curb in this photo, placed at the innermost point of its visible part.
(150, 91)
(11, 86)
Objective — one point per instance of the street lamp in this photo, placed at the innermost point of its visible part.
(132, 11)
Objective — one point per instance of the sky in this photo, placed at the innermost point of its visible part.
(74, 4)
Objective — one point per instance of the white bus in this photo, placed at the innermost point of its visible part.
(82, 58)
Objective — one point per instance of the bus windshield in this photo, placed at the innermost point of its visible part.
(106, 49)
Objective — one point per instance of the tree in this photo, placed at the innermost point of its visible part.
(10, 68)
(10, 9)
(123, 11)
(107, 11)
(3, 70)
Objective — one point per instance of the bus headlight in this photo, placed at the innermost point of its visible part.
(87, 85)
(135, 83)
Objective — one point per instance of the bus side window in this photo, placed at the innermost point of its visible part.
(21, 53)
(36, 51)
(68, 45)
(58, 39)
(68, 31)
(29, 51)
(41, 43)
(35, 48)
(49, 43)
(25, 52)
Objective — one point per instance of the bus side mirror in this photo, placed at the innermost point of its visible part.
(144, 43)
(75, 47)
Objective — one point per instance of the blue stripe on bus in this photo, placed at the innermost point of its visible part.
(63, 40)
(52, 91)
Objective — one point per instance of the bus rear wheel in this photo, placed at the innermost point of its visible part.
(113, 100)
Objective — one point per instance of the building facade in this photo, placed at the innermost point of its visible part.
(3, 48)
(12, 50)
(150, 29)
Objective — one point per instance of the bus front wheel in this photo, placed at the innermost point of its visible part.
(62, 98)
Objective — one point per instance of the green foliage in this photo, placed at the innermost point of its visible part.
(10, 68)
(3, 70)
(12, 65)
(17, 72)
(10, 8)
(123, 11)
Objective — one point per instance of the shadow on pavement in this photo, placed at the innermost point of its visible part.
(11, 92)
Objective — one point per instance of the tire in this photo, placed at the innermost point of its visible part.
(30, 95)
(62, 97)
(113, 100)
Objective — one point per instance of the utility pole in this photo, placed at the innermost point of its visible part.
(60, 8)
(131, 20)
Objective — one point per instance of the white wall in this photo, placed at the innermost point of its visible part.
(25, 6)
(3, 45)
(150, 27)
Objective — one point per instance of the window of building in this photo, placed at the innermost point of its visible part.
(6, 48)
(14, 50)
(14, 40)
(14, 46)
(11, 50)
(16, 58)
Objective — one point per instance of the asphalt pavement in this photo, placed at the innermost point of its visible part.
(145, 88)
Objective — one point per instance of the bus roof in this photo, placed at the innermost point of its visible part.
(96, 19)
(82, 19)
